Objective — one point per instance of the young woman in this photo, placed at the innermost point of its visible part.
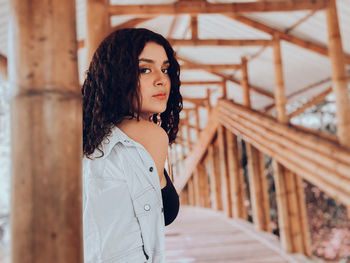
(131, 106)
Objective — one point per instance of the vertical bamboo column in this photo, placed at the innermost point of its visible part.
(195, 177)
(97, 24)
(201, 171)
(217, 174)
(224, 89)
(339, 81)
(258, 186)
(235, 176)
(46, 219)
(191, 187)
(280, 96)
(288, 197)
(3, 66)
(184, 193)
(225, 183)
(194, 27)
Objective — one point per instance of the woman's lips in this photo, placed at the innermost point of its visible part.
(160, 96)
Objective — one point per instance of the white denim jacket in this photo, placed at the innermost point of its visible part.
(123, 218)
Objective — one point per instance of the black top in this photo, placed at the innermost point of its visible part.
(171, 201)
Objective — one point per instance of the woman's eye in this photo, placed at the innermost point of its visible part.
(145, 70)
(165, 70)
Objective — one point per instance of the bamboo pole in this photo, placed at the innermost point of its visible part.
(319, 145)
(306, 238)
(337, 186)
(235, 177)
(3, 66)
(225, 183)
(201, 171)
(280, 97)
(46, 213)
(317, 99)
(208, 101)
(97, 24)
(203, 7)
(257, 181)
(217, 174)
(220, 42)
(339, 82)
(232, 79)
(210, 67)
(245, 83)
(200, 83)
(191, 185)
(214, 197)
(194, 26)
(293, 163)
(315, 47)
(224, 90)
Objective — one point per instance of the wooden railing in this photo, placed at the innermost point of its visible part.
(212, 170)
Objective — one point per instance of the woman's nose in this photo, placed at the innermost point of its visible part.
(160, 79)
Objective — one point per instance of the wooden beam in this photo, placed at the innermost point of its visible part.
(220, 42)
(318, 48)
(245, 83)
(3, 66)
(300, 21)
(235, 177)
(320, 97)
(46, 110)
(280, 97)
(97, 24)
(197, 101)
(225, 182)
(303, 153)
(210, 67)
(339, 82)
(298, 92)
(201, 83)
(232, 79)
(130, 23)
(194, 27)
(205, 138)
(203, 7)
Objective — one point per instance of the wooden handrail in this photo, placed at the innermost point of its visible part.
(204, 140)
(322, 162)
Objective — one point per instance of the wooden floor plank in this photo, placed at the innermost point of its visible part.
(204, 235)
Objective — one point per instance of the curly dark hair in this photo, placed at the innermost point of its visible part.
(111, 86)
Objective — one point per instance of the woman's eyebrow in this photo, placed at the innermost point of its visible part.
(152, 61)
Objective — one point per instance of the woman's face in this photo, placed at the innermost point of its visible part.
(154, 79)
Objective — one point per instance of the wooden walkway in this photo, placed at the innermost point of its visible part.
(203, 235)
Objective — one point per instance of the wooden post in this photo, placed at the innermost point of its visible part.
(280, 96)
(258, 186)
(97, 24)
(245, 83)
(235, 176)
(290, 211)
(339, 81)
(191, 186)
(224, 89)
(201, 171)
(46, 213)
(339, 78)
(225, 183)
(3, 66)
(194, 26)
(217, 174)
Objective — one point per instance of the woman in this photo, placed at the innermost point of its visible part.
(131, 105)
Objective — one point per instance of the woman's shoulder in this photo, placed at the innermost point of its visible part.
(144, 132)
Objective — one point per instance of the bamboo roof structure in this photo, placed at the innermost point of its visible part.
(243, 63)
